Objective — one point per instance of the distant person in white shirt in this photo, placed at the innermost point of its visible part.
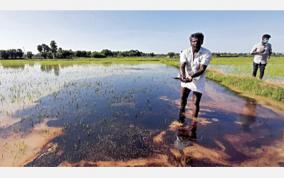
(193, 63)
(262, 52)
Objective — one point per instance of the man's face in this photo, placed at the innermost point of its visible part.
(265, 40)
(195, 43)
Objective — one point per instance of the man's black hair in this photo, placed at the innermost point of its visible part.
(266, 36)
(197, 35)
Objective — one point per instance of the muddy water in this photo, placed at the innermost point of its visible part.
(127, 115)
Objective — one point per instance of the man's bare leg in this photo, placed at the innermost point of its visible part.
(183, 101)
(195, 110)
(196, 97)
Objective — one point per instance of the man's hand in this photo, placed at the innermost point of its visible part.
(182, 78)
(186, 79)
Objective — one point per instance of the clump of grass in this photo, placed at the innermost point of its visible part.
(248, 85)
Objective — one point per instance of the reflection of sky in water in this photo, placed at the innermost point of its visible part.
(23, 86)
(123, 92)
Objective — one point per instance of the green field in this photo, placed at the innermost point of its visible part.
(234, 73)
(125, 60)
(243, 66)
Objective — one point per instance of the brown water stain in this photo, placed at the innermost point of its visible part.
(158, 139)
(156, 160)
(6, 122)
(212, 156)
(194, 151)
(18, 149)
(266, 155)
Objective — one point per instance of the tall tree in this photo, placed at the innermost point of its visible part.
(106, 52)
(39, 48)
(53, 47)
(19, 53)
(29, 54)
(171, 54)
(4, 54)
(45, 49)
(59, 53)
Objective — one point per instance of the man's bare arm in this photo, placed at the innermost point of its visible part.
(201, 70)
(270, 52)
(182, 70)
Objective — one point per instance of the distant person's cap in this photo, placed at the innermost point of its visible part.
(266, 36)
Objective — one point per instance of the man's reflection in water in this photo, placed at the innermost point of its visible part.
(248, 116)
(186, 133)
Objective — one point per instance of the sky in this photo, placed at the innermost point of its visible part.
(147, 31)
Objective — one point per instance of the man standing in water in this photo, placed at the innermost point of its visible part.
(261, 52)
(193, 63)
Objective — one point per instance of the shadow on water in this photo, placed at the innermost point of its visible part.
(115, 119)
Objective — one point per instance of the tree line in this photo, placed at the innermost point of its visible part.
(52, 51)
(12, 54)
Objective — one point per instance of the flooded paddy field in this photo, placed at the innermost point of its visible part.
(128, 115)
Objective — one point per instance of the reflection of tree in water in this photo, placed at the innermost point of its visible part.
(14, 66)
(49, 68)
(248, 117)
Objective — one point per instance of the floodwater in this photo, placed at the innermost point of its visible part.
(127, 115)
